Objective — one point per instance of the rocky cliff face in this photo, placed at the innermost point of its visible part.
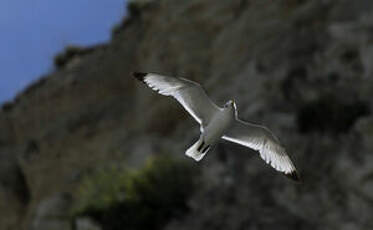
(303, 68)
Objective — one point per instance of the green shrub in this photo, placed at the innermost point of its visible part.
(101, 190)
(142, 199)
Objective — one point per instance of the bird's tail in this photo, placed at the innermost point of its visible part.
(198, 150)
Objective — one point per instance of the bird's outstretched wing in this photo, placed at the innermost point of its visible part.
(188, 93)
(261, 139)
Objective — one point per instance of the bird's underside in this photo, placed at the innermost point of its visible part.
(217, 122)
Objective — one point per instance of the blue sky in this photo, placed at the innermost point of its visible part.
(34, 31)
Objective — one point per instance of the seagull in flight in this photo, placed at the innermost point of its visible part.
(220, 122)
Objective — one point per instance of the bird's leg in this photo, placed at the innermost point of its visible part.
(206, 149)
(201, 146)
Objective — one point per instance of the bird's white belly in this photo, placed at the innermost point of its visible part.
(217, 127)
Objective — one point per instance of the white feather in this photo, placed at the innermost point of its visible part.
(261, 139)
(188, 93)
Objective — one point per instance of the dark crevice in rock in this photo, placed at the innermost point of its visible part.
(295, 75)
(21, 189)
(349, 55)
(242, 6)
(32, 148)
(12, 178)
(329, 114)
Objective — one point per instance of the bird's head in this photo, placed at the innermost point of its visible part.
(231, 105)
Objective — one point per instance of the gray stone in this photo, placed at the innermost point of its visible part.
(52, 213)
(86, 224)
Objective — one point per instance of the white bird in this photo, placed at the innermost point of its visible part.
(216, 122)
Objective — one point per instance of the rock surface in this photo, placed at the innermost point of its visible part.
(304, 68)
(52, 213)
(86, 224)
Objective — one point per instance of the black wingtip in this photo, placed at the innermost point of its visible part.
(139, 75)
(294, 175)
